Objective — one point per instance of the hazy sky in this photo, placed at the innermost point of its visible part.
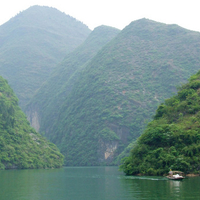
(115, 13)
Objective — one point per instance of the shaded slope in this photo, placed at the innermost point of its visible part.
(43, 108)
(33, 43)
(20, 145)
(172, 139)
(120, 89)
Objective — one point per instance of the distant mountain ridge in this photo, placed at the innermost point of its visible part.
(44, 107)
(32, 43)
(120, 88)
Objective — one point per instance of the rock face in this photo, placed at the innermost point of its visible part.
(34, 119)
(107, 149)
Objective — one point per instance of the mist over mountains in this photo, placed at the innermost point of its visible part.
(99, 113)
(120, 89)
(92, 93)
(33, 43)
(44, 107)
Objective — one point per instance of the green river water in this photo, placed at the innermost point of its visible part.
(92, 183)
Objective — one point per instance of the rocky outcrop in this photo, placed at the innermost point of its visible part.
(33, 118)
(108, 149)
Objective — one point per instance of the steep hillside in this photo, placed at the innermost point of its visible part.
(120, 89)
(172, 139)
(33, 43)
(44, 107)
(20, 145)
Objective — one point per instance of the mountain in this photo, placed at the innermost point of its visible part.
(20, 145)
(172, 139)
(32, 43)
(43, 108)
(119, 90)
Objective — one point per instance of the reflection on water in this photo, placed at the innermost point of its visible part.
(175, 188)
(89, 183)
(157, 188)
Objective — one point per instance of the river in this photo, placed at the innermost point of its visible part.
(92, 183)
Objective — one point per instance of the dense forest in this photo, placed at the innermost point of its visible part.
(20, 145)
(32, 43)
(91, 93)
(44, 107)
(172, 139)
(119, 90)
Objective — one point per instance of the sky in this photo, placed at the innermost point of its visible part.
(114, 13)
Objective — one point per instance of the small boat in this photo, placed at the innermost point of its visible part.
(174, 175)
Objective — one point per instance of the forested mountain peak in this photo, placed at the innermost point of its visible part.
(149, 30)
(104, 29)
(32, 43)
(20, 145)
(46, 18)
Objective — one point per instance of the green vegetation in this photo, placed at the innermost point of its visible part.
(172, 139)
(119, 90)
(101, 97)
(20, 145)
(32, 43)
(50, 97)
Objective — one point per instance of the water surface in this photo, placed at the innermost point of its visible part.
(91, 183)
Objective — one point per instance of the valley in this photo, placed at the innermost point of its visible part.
(92, 93)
